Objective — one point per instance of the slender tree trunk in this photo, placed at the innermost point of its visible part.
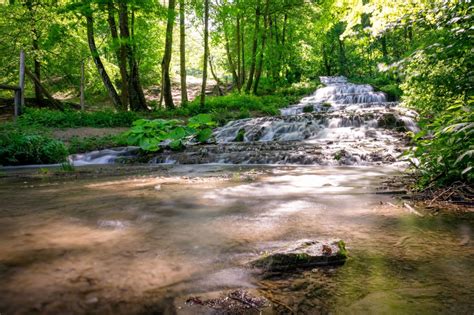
(242, 39)
(254, 48)
(182, 54)
(285, 23)
(137, 97)
(327, 65)
(383, 42)
(121, 53)
(206, 52)
(165, 63)
(98, 62)
(235, 78)
(35, 45)
(81, 95)
(239, 68)
(216, 78)
(258, 72)
(342, 57)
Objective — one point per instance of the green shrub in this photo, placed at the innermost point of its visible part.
(393, 91)
(150, 134)
(448, 155)
(19, 149)
(72, 119)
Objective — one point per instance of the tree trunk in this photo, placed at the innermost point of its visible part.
(242, 39)
(327, 65)
(35, 46)
(136, 97)
(383, 42)
(235, 77)
(165, 63)
(342, 57)
(98, 62)
(258, 73)
(121, 53)
(254, 48)
(239, 68)
(182, 54)
(214, 75)
(57, 104)
(206, 52)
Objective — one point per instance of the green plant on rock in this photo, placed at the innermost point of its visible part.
(67, 167)
(153, 135)
(149, 134)
(342, 249)
(240, 136)
(308, 109)
(201, 126)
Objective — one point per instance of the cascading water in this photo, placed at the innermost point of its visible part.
(340, 124)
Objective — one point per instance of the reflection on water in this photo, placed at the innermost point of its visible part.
(134, 244)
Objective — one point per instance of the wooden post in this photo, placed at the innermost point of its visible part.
(17, 102)
(22, 81)
(82, 86)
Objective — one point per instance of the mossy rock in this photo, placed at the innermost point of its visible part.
(303, 254)
(308, 109)
(240, 136)
(391, 121)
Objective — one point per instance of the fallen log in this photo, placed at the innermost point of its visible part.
(55, 103)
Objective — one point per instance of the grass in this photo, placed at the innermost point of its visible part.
(73, 119)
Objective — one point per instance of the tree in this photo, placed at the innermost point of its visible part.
(254, 48)
(182, 53)
(165, 63)
(98, 61)
(31, 5)
(206, 53)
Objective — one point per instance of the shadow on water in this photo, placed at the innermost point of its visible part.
(137, 244)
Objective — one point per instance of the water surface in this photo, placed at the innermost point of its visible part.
(136, 244)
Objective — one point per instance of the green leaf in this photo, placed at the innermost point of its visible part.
(176, 145)
(204, 135)
(201, 120)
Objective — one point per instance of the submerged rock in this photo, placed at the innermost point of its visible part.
(238, 301)
(303, 254)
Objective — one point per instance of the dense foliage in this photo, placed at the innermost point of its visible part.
(18, 148)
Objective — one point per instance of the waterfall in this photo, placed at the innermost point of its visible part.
(341, 123)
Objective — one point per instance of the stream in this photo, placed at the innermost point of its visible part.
(148, 242)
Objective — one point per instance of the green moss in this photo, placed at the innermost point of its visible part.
(240, 136)
(67, 167)
(308, 109)
(342, 249)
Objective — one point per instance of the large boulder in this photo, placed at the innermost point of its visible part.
(302, 254)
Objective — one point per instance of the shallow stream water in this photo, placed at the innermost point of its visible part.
(139, 244)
